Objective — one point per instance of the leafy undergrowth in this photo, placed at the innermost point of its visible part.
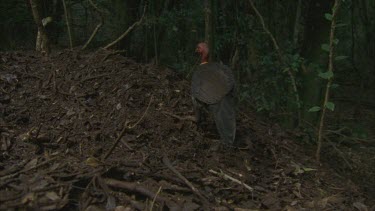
(61, 115)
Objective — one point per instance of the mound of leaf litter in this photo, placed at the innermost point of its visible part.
(60, 117)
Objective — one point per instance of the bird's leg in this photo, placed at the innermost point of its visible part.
(197, 111)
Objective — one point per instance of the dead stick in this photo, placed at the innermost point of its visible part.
(127, 31)
(112, 53)
(97, 27)
(339, 151)
(135, 187)
(167, 162)
(281, 58)
(187, 118)
(126, 145)
(95, 76)
(153, 200)
(26, 170)
(68, 25)
(126, 128)
(276, 46)
(225, 176)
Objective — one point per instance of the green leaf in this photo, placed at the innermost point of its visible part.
(325, 47)
(334, 86)
(338, 58)
(328, 16)
(336, 41)
(327, 75)
(341, 25)
(330, 106)
(314, 109)
(286, 70)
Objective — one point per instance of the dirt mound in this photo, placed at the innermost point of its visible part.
(61, 116)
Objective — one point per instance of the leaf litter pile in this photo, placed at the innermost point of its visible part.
(99, 131)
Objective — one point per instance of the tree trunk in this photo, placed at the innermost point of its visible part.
(42, 42)
(68, 25)
(296, 29)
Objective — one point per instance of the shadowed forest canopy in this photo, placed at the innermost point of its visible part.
(76, 75)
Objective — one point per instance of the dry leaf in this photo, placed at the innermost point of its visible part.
(28, 198)
(31, 164)
(360, 206)
(93, 162)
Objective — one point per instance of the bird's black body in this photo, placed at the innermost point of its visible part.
(211, 82)
(213, 86)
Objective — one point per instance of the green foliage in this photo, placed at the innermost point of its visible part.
(341, 25)
(269, 95)
(339, 58)
(325, 47)
(334, 86)
(328, 16)
(314, 109)
(330, 106)
(295, 61)
(326, 75)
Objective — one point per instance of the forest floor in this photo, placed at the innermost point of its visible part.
(60, 117)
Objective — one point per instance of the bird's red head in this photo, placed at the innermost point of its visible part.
(202, 49)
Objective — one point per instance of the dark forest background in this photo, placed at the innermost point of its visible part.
(274, 48)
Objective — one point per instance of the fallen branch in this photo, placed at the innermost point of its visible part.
(112, 53)
(126, 128)
(13, 169)
(187, 118)
(339, 151)
(127, 145)
(3, 178)
(127, 31)
(351, 139)
(135, 187)
(153, 200)
(167, 162)
(225, 176)
(95, 76)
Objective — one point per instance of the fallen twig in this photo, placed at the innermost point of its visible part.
(135, 187)
(225, 176)
(125, 128)
(95, 76)
(186, 118)
(2, 179)
(127, 145)
(112, 53)
(153, 200)
(339, 151)
(13, 169)
(167, 162)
